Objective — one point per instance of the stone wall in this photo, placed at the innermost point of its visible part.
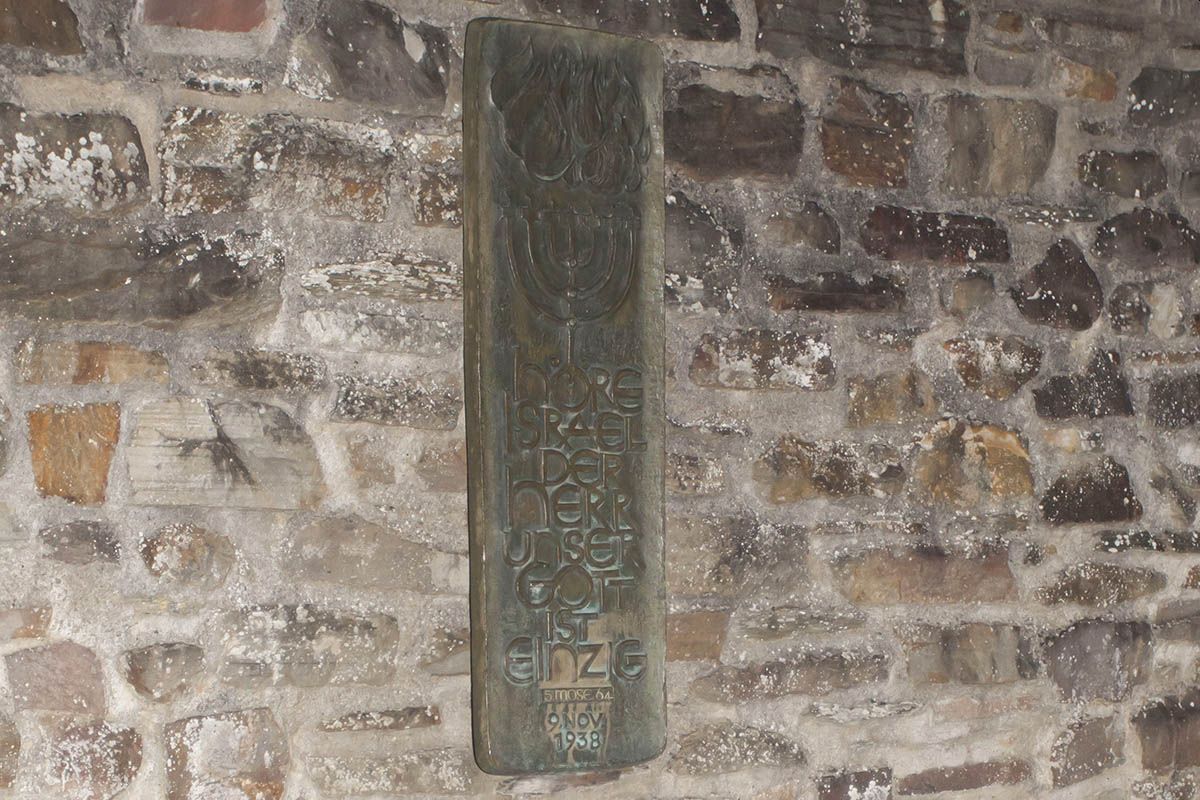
(934, 352)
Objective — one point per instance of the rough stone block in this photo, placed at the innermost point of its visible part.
(867, 135)
(235, 755)
(63, 677)
(1098, 659)
(998, 147)
(71, 448)
(187, 451)
(720, 747)
(793, 469)
(757, 358)
(716, 135)
(304, 646)
(928, 36)
(48, 25)
(363, 52)
(85, 162)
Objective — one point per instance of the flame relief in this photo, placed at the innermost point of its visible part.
(577, 129)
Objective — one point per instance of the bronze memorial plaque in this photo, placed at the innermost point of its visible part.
(564, 372)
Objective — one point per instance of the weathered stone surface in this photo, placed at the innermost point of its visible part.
(835, 292)
(109, 277)
(63, 676)
(721, 747)
(437, 198)
(926, 575)
(1101, 391)
(1005, 66)
(758, 358)
(401, 719)
(867, 135)
(965, 777)
(890, 398)
(973, 654)
(866, 784)
(80, 542)
(1101, 584)
(998, 366)
(164, 672)
(1084, 81)
(1138, 174)
(226, 16)
(1129, 308)
(696, 635)
(808, 225)
(48, 25)
(1175, 401)
(10, 752)
(973, 291)
(1096, 492)
(71, 448)
(793, 469)
(997, 146)
(261, 369)
(1189, 186)
(404, 277)
(925, 36)
(88, 162)
(444, 771)
(1159, 542)
(1161, 96)
(712, 22)
(714, 135)
(812, 673)
(1086, 748)
(1061, 290)
(555, 783)
(447, 651)
(215, 161)
(364, 52)
(1098, 659)
(444, 469)
(186, 451)
(188, 554)
(383, 333)
(698, 548)
(1169, 732)
(703, 255)
(1177, 787)
(1145, 239)
(83, 362)
(1176, 491)
(408, 402)
(734, 556)
(305, 646)
(368, 455)
(29, 622)
(694, 474)
(966, 465)
(899, 234)
(239, 755)
(357, 552)
(93, 760)
(783, 621)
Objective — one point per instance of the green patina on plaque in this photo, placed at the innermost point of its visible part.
(565, 419)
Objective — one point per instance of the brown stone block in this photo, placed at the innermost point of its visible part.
(227, 16)
(72, 448)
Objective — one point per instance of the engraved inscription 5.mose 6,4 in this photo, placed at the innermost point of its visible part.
(564, 365)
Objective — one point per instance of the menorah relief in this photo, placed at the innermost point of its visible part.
(563, 283)
(576, 143)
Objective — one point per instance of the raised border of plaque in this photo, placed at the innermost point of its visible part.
(564, 362)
